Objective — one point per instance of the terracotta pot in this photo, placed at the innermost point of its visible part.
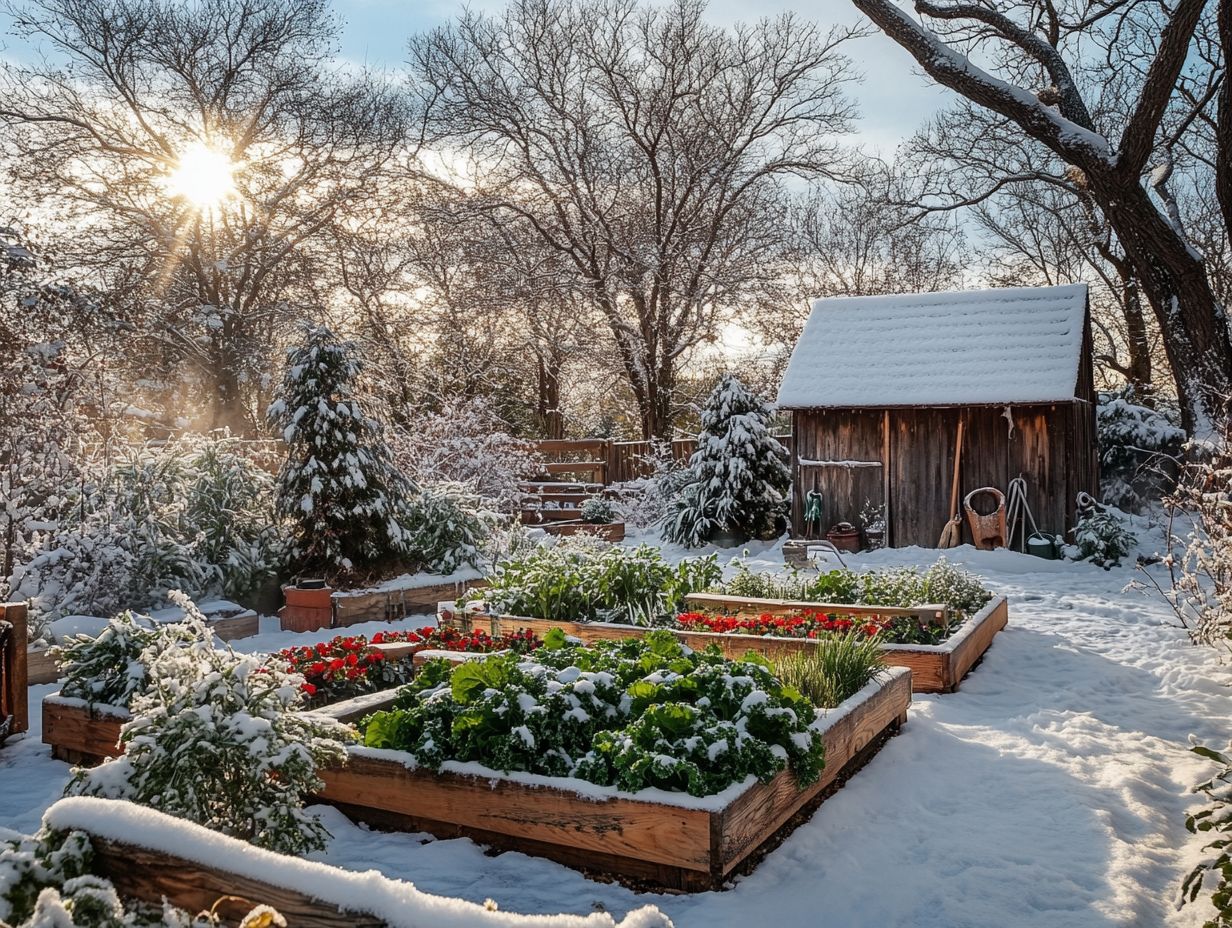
(845, 537)
(307, 610)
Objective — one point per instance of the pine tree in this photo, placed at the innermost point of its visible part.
(339, 487)
(738, 477)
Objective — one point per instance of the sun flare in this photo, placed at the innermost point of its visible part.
(203, 176)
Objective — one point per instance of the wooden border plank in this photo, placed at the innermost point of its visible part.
(82, 734)
(151, 876)
(934, 668)
(669, 845)
(660, 834)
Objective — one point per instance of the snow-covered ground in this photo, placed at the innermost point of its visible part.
(1050, 791)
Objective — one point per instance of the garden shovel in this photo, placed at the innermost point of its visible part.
(952, 533)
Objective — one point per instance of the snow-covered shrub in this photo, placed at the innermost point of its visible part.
(1214, 872)
(466, 442)
(447, 529)
(45, 882)
(583, 579)
(1200, 561)
(597, 511)
(193, 514)
(738, 477)
(644, 712)
(84, 566)
(41, 430)
(339, 488)
(113, 667)
(1137, 447)
(216, 739)
(647, 501)
(1102, 536)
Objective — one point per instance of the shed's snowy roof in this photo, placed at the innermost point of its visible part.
(1012, 345)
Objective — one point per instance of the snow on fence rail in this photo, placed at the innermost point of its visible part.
(149, 855)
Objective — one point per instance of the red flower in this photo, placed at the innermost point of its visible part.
(309, 689)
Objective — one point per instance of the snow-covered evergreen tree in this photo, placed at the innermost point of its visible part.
(738, 477)
(339, 487)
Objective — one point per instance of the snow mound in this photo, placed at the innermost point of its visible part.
(398, 903)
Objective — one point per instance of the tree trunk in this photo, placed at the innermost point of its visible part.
(551, 418)
(1173, 277)
(227, 401)
(1138, 372)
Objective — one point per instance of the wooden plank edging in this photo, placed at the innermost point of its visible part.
(668, 840)
(937, 668)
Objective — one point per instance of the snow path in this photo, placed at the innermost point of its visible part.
(1050, 791)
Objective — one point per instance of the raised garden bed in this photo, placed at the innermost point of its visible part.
(81, 733)
(84, 734)
(608, 531)
(936, 668)
(395, 600)
(653, 837)
(151, 856)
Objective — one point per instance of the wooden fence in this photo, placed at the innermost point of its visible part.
(602, 461)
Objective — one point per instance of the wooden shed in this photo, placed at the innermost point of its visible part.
(877, 385)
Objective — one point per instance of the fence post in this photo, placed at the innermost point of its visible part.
(15, 699)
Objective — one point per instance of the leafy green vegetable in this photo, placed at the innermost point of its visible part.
(635, 713)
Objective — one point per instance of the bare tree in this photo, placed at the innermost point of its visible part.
(1101, 99)
(644, 147)
(206, 146)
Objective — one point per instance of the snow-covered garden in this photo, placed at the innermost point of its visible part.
(615, 464)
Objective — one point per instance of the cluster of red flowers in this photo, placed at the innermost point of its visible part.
(349, 665)
(804, 624)
(450, 639)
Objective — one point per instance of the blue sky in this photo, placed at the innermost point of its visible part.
(894, 97)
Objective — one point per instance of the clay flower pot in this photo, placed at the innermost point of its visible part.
(309, 607)
(845, 537)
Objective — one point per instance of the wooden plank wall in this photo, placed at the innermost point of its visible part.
(836, 435)
(1052, 446)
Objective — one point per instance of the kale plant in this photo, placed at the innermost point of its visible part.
(638, 713)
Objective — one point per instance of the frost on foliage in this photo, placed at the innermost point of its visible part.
(45, 882)
(1102, 536)
(465, 443)
(634, 714)
(40, 430)
(215, 739)
(194, 514)
(349, 504)
(1200, 560)
(1137, 447)
(738, 477)
(447, 527)
(584, 579)
(113, 667)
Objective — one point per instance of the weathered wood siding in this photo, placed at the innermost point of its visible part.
(1052, 446)
(836, 435)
